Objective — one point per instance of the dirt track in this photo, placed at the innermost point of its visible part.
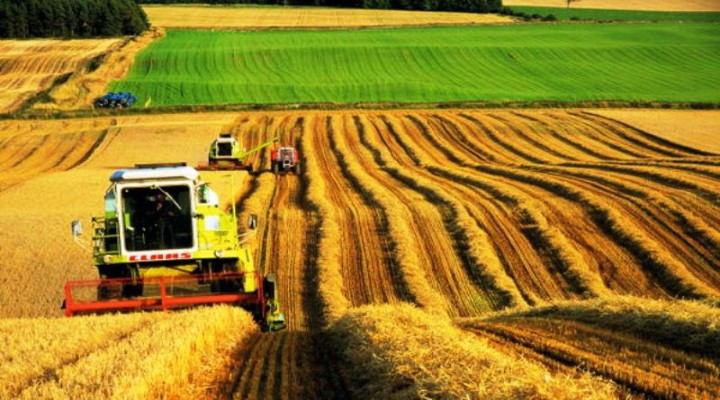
(458, 212)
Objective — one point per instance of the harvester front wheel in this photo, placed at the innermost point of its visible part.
(274, 320)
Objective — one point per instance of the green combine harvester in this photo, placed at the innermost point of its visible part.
(226, 154)
(165, 243)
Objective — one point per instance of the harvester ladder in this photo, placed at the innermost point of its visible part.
(101, 237)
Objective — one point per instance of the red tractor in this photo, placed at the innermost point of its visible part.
(285, 159)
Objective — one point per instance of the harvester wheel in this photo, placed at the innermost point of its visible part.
(297, 169)
(275, 168)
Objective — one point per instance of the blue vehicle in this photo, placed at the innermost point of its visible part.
(116, 100)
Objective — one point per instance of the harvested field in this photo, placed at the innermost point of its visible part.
(657, 5)
(459, 213)
(28, 67)
(223, 17)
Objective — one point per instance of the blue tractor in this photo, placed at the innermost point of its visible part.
(116, 100)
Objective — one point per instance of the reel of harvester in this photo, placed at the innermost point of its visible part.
(97, 296)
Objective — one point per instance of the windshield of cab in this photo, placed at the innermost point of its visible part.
(157, 217)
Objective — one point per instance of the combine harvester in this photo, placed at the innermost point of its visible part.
(226, 155)
(285, 159)
(165, 243)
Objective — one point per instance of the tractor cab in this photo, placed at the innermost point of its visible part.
(224, 147)
(285, 159)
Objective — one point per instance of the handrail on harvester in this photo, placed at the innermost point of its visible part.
(165, 300)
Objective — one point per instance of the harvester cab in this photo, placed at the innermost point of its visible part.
(285, 159)
(226, 154)
(165, 243)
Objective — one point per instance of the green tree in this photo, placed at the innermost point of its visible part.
(70, 18)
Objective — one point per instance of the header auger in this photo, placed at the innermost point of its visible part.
(226, 154)
(165, 243)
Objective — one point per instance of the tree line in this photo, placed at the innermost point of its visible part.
(476, 6)
(70, 18)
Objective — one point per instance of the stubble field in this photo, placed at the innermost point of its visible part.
(460, 213)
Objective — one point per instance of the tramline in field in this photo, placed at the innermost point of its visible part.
(165, 243)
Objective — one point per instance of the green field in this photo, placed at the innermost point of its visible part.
(564, 14)
(571, 62)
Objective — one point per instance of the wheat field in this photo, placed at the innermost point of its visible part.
(244, 17)
(406, 236)
(134, 356)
